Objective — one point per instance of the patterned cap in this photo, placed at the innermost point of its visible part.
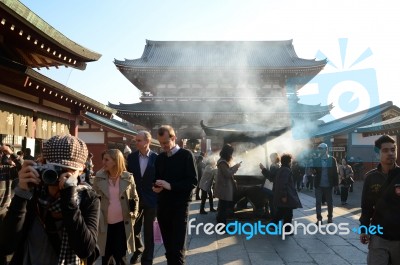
(65, 151)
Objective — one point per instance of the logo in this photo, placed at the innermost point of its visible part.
(347, 89)
(280, 229)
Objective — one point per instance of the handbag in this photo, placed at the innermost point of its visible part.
(157, 233)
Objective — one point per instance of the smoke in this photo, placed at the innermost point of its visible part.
(226, 83)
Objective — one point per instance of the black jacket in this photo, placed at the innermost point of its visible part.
(81, 224)
(333, 175)
(372, 191)
(180, 171)
(144, 184)
(379, 202)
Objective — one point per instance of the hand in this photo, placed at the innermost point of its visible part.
(262, 166)
(284, 199)
(163, 184)
(6, 149)
(28, 175)
(364, 238)
(68, 179)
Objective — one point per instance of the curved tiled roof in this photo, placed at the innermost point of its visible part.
(114, 124)
(393, 123)
(353, 121)
(220, 55)
(216, 107)
(41, 27)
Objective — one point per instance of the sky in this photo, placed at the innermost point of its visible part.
(360, 39)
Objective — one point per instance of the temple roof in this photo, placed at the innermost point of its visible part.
(115, 125)
(352, 122)
(28, 39)
(220, 107)
(226, 55)
(390, 126)
(27, 84)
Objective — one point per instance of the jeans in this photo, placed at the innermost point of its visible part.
(270, 196)
(116, 244)
(204, 198)
(382, 251)
(146, 218)
(344, 193)
(172, 220)
(327, 193)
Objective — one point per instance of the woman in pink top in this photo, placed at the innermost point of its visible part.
(118, 207)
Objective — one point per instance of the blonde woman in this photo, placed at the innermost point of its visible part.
(118, 207)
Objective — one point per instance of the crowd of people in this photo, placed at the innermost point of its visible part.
(57, 210)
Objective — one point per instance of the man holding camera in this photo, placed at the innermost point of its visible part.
(51, 219)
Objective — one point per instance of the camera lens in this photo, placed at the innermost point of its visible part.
(50, 176)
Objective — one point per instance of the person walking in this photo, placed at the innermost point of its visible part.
(346, 179)
(266, 189)
(141, 164)
(119, 207)
(380, 205)
(206, 183)
(285, 195)
(326, 177)
(176, 177)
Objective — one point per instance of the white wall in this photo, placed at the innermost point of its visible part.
(92, 137)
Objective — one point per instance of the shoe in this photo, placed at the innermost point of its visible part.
(136, 257)
(330, 221)
(344, 203)
(212, 210)
(319, 222)
(203, 212)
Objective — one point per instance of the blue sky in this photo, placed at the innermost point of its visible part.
(360, 38)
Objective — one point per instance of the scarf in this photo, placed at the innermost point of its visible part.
(67, 256)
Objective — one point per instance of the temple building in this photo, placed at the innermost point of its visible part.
(229, 85)
(33, 107)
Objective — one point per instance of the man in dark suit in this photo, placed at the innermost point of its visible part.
(141, 165)
(176, 177)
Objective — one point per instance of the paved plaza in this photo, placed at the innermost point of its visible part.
(267, 249)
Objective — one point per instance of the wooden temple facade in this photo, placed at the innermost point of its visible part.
(34, 107)
(220, 83)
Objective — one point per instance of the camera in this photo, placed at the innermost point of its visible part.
(49, 173)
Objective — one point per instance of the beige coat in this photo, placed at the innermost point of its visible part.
(225, 184)
(127, 189)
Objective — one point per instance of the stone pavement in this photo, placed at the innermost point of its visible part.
(267, 249)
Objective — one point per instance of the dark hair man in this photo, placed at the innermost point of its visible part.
(326, 177)
(51, 220)
(380, 206)
(28, 155)
(175, 179)
(141, 165)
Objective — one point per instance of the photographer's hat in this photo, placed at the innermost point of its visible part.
(65, 151)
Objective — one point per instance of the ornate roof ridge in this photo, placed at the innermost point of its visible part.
(32, 20)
